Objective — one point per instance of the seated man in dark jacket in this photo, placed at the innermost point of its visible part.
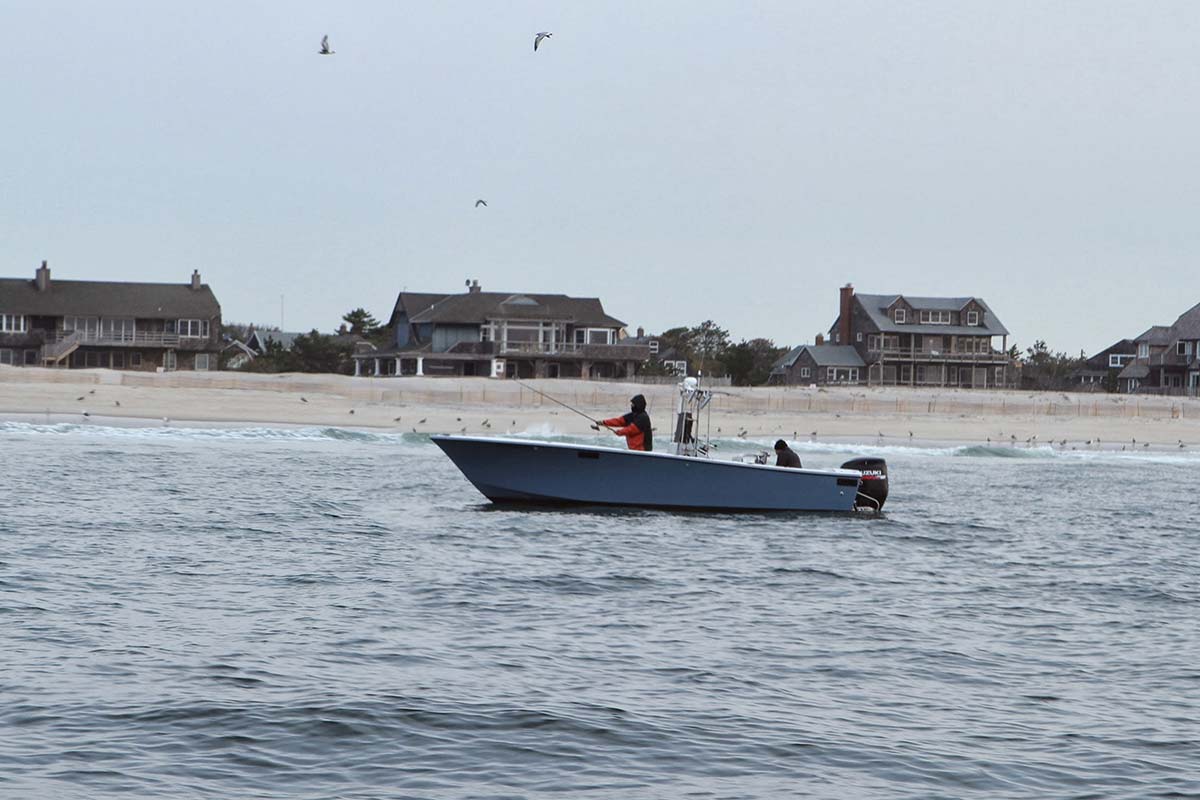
(786, 456)
(634, 426)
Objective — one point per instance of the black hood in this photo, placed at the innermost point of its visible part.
(638, 403)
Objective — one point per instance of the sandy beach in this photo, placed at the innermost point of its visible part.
(481, 405)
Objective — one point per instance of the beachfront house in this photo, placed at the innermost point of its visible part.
(818, 364)
(1167, 358)
(110, 324)
(1100, 371)
(662, 354)
(923, 341)
(502, 334)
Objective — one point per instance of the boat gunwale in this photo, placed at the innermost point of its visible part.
(836, 472)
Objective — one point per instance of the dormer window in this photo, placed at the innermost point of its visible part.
(935, 317)
(1143, 349)
(972, 317)
(654, 346)
(901, 316)
(1181, 348)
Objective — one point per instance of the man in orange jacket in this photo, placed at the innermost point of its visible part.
(634, 426)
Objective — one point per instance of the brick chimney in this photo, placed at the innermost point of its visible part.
(847, 295)
(820, 340)
(474, 287)
(641, 332)
(42, 277)
(195, 279)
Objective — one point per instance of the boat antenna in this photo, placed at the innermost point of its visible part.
(560, 402)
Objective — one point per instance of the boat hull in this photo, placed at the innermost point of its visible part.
(526, 471)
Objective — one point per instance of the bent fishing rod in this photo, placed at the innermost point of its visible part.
(564, 405)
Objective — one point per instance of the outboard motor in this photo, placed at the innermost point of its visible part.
(873, 489)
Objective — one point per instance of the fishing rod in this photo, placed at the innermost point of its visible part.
(561, 403)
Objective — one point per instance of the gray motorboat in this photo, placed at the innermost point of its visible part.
(508, 470)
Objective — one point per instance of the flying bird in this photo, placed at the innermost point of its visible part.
(538, 39)
(481, 202)
(325, 49)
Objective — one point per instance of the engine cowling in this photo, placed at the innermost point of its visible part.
(873, 488)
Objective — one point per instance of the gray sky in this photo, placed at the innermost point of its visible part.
(681, 160)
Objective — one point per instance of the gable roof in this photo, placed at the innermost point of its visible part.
(823, 355)
(1188, 325)
(478, 307)
(410, 303)
(1155, 334)
(875, 306)
(108, 299)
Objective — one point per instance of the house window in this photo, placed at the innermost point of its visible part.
(6, 357)
(599, 336)
(12, 323)
(118, 360)
(92, 358)
(135, 359)
(1181, 348)
(1143, 349)
(999, 376)
(1118, 360)
(860, 336)
(972, 317)
(169, 360)
(934, 317)
(201, 361)
(804, 372)
(901, 316)
(193, 328)
(654, 346)
(31, 357)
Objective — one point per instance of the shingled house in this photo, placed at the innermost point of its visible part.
(1101, 370)
(1168, 358)
(821, 364)
(923, 341)
(501, 334)
(133, 326)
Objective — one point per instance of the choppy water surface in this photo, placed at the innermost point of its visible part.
(322, 613)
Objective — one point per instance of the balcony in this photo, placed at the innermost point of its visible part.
(131, 339)
(610, 352)
(937, 356)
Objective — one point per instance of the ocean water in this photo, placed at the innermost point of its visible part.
(322, 613)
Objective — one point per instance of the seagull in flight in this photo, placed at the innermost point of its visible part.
(481, 202)
(538, 39)
(325, 49)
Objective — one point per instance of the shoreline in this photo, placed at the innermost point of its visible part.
(852, 414)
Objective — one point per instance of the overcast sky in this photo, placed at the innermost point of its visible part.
(681, 160)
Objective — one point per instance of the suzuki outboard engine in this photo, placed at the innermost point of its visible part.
(873, 490)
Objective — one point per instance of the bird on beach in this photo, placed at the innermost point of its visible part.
(538, 39)
(396, 419)
(325, 49)
(458, 419)
(481, 202)
(303, 399)
(79, 398)
(352, 411)
(86, 414)
(91, 391)
(117, 403)
(422, 422)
